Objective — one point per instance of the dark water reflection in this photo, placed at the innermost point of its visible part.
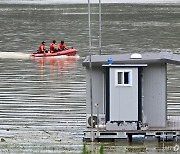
(43, 100)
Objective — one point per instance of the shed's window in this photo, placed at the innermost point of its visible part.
(126, 77)
(120, 77)
(123, 77)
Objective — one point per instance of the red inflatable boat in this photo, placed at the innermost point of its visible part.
(68, 52)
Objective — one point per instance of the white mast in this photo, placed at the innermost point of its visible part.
(100, 27)
(90, 67)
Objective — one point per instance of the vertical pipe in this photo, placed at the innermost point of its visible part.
(139, 96)
(90, 67)
(97, 120)
(100, 27)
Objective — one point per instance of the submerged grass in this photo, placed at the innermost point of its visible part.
(101, 150)
(86, 151)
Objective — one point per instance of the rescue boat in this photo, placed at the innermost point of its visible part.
(67, 52)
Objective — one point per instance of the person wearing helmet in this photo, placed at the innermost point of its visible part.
(42, 48)
(62, 46)
(53, 46)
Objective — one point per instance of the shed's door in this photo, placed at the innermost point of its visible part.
(123, 94)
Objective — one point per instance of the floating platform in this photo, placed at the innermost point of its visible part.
(169, 133)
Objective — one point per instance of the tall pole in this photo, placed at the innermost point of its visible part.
(100, 27)
(90, 67)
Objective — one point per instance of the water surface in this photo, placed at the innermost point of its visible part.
(43, 100)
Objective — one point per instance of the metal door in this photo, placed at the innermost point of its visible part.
(123, 94)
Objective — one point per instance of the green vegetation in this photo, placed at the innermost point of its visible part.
(86, 151)
(101, 150)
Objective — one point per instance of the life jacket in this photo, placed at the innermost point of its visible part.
(41, 48)
(52, 47)
(61, 46)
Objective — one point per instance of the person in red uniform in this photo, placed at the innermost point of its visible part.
(62, 46)
(42, 48)
(53, 46)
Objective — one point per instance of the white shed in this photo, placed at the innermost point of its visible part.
(131, 91)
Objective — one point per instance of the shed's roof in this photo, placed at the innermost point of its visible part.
(125, 58)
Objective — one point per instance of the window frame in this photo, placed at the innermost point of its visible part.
(122, 72)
